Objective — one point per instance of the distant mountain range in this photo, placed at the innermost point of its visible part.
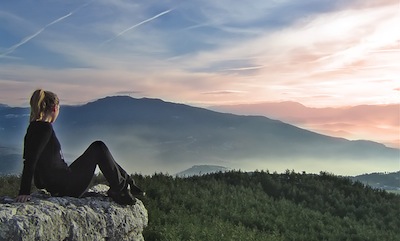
(350, 122)
(198, 170)
(385, 181)
(151, 135)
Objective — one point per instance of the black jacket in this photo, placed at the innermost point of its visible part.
(43, 159)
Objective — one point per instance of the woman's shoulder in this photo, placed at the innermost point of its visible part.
(40, 125)
(38, 131)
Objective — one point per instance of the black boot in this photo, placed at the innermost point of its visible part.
(134, 189)
(123, 197)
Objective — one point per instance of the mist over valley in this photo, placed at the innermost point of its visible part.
(151, 135)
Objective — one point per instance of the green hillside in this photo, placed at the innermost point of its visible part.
(264, 206)
(387, 181)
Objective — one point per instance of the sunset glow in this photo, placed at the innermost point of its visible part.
(318, 53)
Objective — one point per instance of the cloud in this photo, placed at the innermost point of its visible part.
(9, 18)
(223, 92)
(137, 25)
(29, 38)
(244, 68)
(281, 50)
(336, 55)
(125, 92)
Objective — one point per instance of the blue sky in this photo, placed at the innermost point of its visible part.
(202, 52)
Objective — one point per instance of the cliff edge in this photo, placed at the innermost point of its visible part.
(95, 217)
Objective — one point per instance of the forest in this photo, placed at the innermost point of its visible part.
(261, 205)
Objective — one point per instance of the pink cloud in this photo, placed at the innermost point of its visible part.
(344, 57)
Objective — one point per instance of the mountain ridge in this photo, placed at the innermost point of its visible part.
(378, 180)
(153, 135)
(350, 122)
(198, 170)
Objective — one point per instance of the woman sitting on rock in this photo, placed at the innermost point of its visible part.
(44, 162)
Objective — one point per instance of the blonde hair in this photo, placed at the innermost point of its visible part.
(42, 102)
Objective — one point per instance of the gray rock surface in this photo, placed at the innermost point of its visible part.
(95, 217)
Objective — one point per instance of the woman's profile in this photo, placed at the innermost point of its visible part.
(44, 162)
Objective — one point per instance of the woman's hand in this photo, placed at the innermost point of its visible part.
(23, 198)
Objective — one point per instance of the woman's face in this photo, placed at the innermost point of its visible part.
(55, 112)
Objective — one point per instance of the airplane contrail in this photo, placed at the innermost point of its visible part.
(27, 39)
(137, 25)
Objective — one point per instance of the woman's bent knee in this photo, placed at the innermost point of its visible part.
(97, 144)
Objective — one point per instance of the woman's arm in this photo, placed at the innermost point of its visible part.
(37, 136)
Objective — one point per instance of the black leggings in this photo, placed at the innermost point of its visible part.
(82, 171)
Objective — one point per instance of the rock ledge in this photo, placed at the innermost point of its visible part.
(65, 218)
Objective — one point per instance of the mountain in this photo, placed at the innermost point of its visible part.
(150, 135)
(198, 170)
(10, 161)
(387, 181)
(13, 122)
(351, 122)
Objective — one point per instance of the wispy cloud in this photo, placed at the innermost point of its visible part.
(29, 38)
(223, 92)
(246, 68)
(137, 25)
(316, 52)
(257, 48)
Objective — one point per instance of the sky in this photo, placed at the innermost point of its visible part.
(321, 53)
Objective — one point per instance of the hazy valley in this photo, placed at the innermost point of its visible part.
(379, 123)
(150, 135)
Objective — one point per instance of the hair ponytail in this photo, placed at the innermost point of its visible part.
(41, 102)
